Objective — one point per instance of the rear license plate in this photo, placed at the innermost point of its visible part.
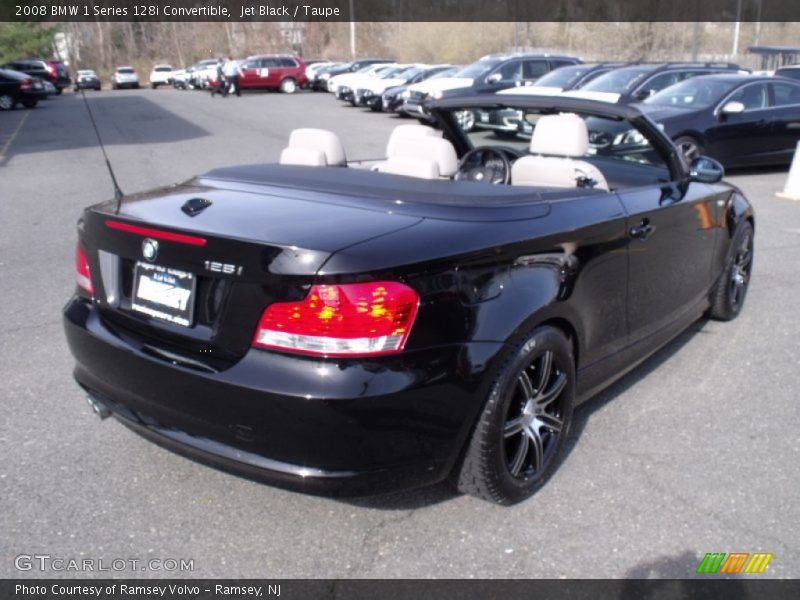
(163, 293)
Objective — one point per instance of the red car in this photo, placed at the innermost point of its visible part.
(282, 72)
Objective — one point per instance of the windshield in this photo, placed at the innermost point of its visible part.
(477, 69)
(564, 77)
(617, 82)
(692, 93)
(449, 72)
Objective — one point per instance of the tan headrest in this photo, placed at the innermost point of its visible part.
(560, 135)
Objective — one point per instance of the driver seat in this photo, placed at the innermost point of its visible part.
(557, 141)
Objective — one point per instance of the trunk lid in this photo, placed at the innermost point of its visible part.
(185, 272)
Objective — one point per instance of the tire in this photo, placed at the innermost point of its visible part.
(59, 91)
(376, 107)
(689, 148)
(135, 86)
(288, 86)
(29, 104)
(7, 102)
(523, 425)
(154, 86)
(729, 293)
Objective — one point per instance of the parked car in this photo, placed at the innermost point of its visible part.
(637, 82)
(487, 75)
(319, 81)
(322, 81)
(564, 79)
(373, 87)
(181, 77)
(87, 79)
(791, 71)
(201, 73)
(371, 94)
(54, 71)
(357, 330)
(740, 120)
(19, 88)
(313, 67)
(342, 86)
(161, 75)
(392, 98)
(281, 72)
(124, 77)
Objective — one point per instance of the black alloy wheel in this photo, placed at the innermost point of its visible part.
(729, 294)
(523, 426)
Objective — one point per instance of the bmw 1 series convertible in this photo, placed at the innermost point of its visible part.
(358, 328)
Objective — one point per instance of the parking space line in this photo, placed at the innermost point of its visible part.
(13, 135)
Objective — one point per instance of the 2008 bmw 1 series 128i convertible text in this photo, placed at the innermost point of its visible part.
(348, 328)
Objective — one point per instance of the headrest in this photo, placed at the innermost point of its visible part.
(434, 149)
(560, 135)
(403, 132)
(318, 141)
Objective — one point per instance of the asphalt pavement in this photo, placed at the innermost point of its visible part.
(695, 451)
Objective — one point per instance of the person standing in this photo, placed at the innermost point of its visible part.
(222, 85)
(230, 70)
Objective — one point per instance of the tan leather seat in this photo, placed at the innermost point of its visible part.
(557, 141)
(425, 157)
(314, 147)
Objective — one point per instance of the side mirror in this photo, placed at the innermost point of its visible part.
(732, 108)
(494, 78)
(705, 170)
(644, 94)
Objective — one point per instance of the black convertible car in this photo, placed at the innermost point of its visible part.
(358, 328)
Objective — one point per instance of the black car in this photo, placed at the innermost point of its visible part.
(791, 72)
(392, 99)
(19, 88)
(54, 71)
(321, 79)
(86, 79)
(369, 94)
(638, 82)
(439, 313)
(487, 75)
(740, 120)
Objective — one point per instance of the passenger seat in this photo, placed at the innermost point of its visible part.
(557, 141)
(425, 157)
(314, 147)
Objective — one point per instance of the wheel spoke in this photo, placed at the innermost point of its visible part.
(519, 456)
(537, 451)
(526, 385)
(552, 422)
(513, 427)
(546, 398)
(543, 371)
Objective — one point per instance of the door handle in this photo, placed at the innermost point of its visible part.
(643, 230)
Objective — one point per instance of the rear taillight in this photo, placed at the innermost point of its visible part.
(354, 319)
(25, 84)
(51, 68)
(82, 276)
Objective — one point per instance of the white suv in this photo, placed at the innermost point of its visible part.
(124, 77)
(160, 75)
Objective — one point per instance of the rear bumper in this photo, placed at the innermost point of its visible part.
(313, 425)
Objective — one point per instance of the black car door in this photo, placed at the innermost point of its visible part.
(745, 136)
(785, 119)
(671, 241)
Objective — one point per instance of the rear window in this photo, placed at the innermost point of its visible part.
(163, 69)
(126, 71)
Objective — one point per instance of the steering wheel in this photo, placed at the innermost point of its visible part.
(486, 165)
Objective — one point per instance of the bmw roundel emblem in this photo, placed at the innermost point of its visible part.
(150, 249)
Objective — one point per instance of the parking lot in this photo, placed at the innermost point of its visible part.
(695, 451)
